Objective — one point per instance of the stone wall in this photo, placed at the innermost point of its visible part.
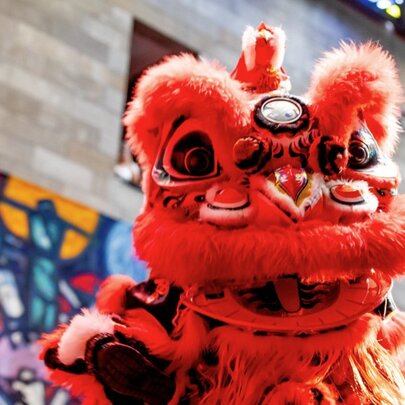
(63, 76)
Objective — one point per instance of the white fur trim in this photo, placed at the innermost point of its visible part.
(224, 217)
(278, 42)
(84, 326)
(368, 206)
(248, 47)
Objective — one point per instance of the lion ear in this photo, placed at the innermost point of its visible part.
(181, 86)
(357, 80)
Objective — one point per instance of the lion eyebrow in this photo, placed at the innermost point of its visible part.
(176, 123)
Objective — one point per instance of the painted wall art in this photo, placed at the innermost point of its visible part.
(54, 253)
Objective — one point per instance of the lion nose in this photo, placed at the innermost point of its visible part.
(291, 181)
(228, 198)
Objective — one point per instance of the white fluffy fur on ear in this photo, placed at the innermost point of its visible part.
(248, 47)
(84, 326)
(279, 46)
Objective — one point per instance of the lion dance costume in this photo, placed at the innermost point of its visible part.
(272, 229)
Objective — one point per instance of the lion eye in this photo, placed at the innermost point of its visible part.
(197, 161)
(363, 151)
(193, 155)
(359, 154)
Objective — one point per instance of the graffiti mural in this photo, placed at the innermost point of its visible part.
(54, 253)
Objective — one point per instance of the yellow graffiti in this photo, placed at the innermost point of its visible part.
(15, 220)
(73, 244)
(29, 195)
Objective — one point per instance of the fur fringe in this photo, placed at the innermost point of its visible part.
(258, 365)
(376, 243)
(376, 374)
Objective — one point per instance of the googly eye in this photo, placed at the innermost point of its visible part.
(193, 155)
(198, 161)
(359, 154)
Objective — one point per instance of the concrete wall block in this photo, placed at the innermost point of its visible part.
(94, 114)
(40, 16)
(67, 76)
(169, 22)
(46, 92)
(21, 130)
(95, 8)
(100, 30)
(110, 140)
(8, 165)
(127, 200)
(60, 168)
(98, 163)
(57, 121)
(34, 41)
(125, 204)
(20, 150)
(114, 99)
(14, 101)
(120, 19)
(118, 60)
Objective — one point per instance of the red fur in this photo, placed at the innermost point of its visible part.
(111, 296)
(51, 340)
(378, 242)
(84, 386)
(82, 328)
(245, 359)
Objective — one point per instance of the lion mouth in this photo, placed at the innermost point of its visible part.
(287, 296)
(290, 306)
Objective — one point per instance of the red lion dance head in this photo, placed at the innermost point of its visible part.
(277, 217)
